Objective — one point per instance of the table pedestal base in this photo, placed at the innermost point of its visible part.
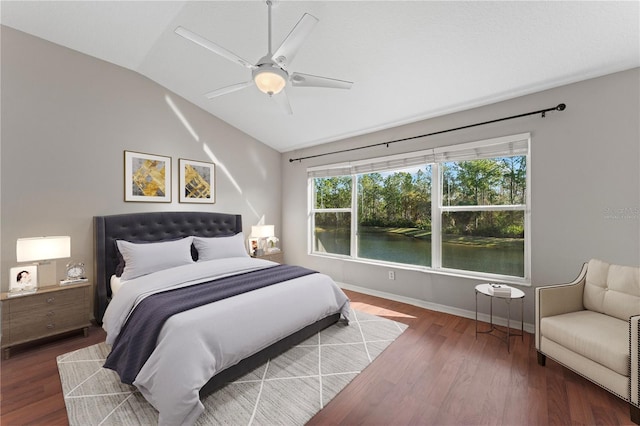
(504, 335)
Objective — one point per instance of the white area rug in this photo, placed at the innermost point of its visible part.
(287, 390)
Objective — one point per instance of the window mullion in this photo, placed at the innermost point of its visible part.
(311, 203)
(436, 217)
(527, 219)
(486, 208)
(354, 218)
(338, 210)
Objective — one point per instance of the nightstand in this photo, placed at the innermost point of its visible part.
(274, 257)
(49, 311)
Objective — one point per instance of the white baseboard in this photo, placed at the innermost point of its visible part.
(529, 328)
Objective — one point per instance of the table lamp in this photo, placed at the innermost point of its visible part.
(262, 233)
(41, 251)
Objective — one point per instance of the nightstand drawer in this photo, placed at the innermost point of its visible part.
(47, 312)
(38, 302)
(40, 323)
(274, 257)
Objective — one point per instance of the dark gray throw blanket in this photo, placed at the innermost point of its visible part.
(139, 335)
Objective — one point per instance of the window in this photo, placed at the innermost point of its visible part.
(332, 215)
(463, 209)
(483, 215)
(394, 216)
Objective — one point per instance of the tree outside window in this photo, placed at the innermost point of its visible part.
(481, 205)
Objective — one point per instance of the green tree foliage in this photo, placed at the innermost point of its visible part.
(476, 181)
(333, 193)
(369, 196)
(515, 175)
(486, 182)
(403, 198)
(495, 181)
(400, 199)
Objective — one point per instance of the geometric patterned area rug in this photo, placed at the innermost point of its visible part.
(287, 390)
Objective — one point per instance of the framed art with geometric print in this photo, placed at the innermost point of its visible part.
(147, 177)
(197, 182)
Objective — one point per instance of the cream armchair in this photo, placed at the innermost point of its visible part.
(592, 326)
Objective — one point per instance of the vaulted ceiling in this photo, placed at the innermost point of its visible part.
(408, 60)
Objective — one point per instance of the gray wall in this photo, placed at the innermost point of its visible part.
(67, 119)
(584, 168)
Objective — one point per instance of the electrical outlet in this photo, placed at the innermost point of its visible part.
(392, 275)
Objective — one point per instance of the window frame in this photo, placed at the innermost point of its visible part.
(438, 208)
(312, 209)
(434, 157)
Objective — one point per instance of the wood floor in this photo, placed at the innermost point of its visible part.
(436, 373)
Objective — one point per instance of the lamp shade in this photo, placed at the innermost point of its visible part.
(262, 231)
(270, 80)
(42, 248)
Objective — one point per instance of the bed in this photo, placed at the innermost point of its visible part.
(198, 351)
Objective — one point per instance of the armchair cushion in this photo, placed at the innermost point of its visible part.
(595, 336)
(612, 289)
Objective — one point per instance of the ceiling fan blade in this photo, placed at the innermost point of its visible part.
(307, 80)
(209, 45)
(228, 89)
(283, 102)
(289, 47)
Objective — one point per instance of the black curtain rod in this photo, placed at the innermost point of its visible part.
(543, 112)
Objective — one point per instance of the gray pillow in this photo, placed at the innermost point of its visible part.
(145, 258)
(220, 247)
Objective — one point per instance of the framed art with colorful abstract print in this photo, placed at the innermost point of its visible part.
(197, 182)
(147, 177)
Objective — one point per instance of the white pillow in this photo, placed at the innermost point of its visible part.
(116, 283)
(220, 247)
(145, 258)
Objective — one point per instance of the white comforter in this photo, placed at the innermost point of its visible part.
(195, 345)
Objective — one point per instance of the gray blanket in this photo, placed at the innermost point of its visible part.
(138, 337)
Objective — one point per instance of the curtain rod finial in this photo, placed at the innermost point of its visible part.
(561, 107)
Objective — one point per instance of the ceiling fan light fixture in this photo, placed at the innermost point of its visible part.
(270, 80)
(270, 74)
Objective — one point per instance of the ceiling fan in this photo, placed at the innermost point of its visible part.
(271, 73)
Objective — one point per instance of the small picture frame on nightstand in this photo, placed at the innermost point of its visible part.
(23, 280)
(253, 247)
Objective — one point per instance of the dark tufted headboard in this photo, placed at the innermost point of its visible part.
(154, 226)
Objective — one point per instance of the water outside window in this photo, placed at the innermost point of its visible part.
(332, 233)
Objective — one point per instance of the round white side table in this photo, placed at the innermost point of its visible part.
(502, 334)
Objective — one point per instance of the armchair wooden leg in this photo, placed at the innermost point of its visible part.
(542, 359)
(635, 414)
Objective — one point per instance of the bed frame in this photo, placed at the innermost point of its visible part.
(160, 226)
